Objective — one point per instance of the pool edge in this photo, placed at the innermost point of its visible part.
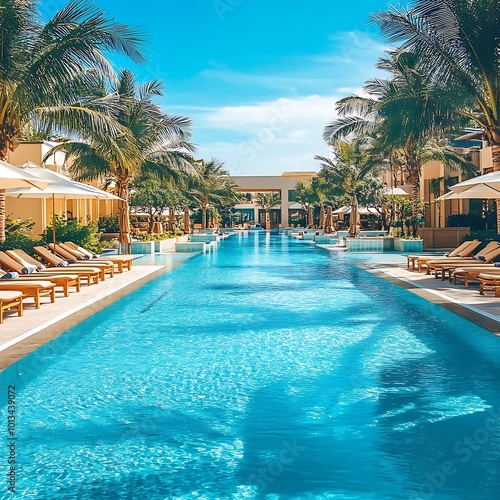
(467, 312)
(22, 348)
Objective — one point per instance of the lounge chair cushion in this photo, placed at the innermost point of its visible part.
(10, 275)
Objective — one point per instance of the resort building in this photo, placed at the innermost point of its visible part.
(40, 209)
(437, 179)
(288, 213)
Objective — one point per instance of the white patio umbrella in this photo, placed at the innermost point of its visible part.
(13, 177)
(343, 210)
(362, 210)
(491, 180)
(480, 191)
(395, 191)
(60, 187)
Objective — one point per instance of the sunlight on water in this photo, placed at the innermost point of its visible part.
(269, 369)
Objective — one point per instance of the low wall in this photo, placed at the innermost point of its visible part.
(370, 244)
(443, 237)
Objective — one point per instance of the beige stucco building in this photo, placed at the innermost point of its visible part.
(40, 210)
(285, 214)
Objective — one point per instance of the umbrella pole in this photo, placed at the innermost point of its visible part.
(54, 223)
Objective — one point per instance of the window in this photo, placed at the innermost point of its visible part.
(292, 195)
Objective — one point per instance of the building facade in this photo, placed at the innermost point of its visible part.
(289, 212)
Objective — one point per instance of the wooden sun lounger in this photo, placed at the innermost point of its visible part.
(91, 275)
(53, 260)
(444, 268)
(64, 281)
(35, 289)
(61, 255)
(83, 255)
(467, 274)
(10, 299)
(120, 261)
(463, 250)
(479, 257)
(489, 282)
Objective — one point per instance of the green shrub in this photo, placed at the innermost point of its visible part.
(157, 237)
(476, 221)
(108, 224)
(484, 236)
(86, 236)
(18, 235)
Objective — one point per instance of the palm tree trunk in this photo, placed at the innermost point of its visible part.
(414, 172)
(151, 223)
(203, 217)
(171, 219)
(268, 220)
(123, 215)
(495, 153)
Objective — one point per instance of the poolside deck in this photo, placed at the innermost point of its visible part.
(483, 310)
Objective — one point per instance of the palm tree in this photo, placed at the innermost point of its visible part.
(348, 172)
(268, 201)
(48, 71)
(458, 49)
(307, 197)
(152, 143)
(402, 120)
(210, 185)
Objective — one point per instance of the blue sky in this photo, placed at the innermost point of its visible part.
(258, 78)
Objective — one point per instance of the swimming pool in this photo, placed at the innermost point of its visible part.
(269, 369)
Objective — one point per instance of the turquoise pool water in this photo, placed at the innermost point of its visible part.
(269, 369)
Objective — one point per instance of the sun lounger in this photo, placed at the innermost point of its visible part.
(64, 281)
(120, 261)
(488, 258)
(467, 274)
(56, 261)
(26, 260)
(479, 257)
(463, 250)
(10, 299)
(489, 282)
(106, 265)
(35, 289)
(447, 268)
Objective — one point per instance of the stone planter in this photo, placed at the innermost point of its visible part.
(408, 246)
(165, 246)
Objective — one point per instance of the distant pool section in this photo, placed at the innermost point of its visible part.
(271, 369)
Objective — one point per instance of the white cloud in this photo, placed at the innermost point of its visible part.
(255, 135)
(274, 136)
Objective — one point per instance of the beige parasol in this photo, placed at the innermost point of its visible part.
(322, 217)
(187, 220)
(329, 221)
(353, 231)
(310, 217)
